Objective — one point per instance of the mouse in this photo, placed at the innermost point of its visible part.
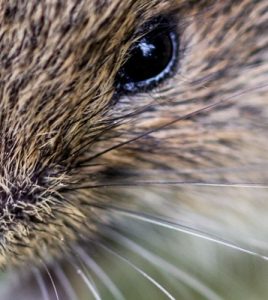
(133, 149)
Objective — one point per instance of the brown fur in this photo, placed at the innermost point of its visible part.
(59, 115)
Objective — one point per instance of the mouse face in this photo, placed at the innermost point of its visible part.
(119, 105)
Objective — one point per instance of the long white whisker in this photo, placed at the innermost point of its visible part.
(156, 260)
(177, 227)
(136, 184)
(88, 283)
(51, 280)
(140, 271)
(41, 283)
(65, 282)
(99, 273)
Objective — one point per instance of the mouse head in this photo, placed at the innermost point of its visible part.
(96, 93)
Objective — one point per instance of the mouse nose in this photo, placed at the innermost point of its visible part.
(14, 198)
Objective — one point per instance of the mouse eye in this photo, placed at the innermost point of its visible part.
(151, 60)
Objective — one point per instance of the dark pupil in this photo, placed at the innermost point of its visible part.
(150, 61)
(149, 58)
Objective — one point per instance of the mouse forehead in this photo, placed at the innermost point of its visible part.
(51, 49)
(49, 24)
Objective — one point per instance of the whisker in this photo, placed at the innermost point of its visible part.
(88, 283)
(171, 183)
(137, 269)
(187, 116)
(235, 169)
(100, 273)
(180, 118)
(177, 227)
(51, 280)
(156, 260)
(41, 283)
(65, 282)
(115, 123)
